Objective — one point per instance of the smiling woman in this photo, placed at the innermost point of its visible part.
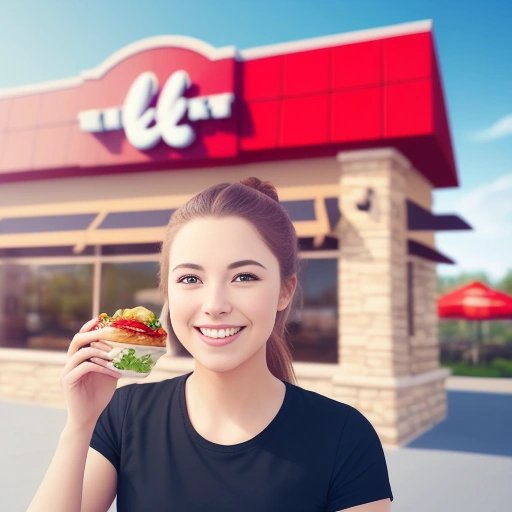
(236, 433)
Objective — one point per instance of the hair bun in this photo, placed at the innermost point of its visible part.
(266, 187)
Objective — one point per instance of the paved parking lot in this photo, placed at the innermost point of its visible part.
(462, 464)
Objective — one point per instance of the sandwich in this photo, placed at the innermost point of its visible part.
(136, 337)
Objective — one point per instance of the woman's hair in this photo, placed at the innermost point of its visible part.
(258, 203)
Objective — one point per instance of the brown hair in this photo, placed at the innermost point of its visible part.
(257, 202)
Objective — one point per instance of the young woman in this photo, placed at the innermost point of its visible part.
(236, 433)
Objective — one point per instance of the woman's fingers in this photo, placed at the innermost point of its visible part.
(77, 373)
(86, 353)
(83, 355)
(101, 345)
(83, 339)
(100, 361)
(78, 340)
(89, 326)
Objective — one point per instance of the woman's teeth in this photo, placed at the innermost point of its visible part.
(221, 333)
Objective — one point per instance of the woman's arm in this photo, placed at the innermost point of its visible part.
(78, 478)
(88, 386)
(374, 506)
(100, 483)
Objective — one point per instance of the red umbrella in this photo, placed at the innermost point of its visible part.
(475, 301)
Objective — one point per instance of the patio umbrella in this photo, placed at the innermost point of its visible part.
(475, 301)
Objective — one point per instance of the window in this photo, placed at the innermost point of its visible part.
(313, 329)
(43, 306)
(126, 285)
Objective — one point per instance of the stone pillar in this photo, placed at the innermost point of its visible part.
(372, 265)
(398, 388)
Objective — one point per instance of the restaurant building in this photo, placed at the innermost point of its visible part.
(350, 128)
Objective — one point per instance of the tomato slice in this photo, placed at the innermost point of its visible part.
(133, 324)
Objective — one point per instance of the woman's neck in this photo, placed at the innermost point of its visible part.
(230, 407)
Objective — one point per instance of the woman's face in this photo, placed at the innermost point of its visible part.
(224, 292)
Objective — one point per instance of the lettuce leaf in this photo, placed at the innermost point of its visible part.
(137, 364)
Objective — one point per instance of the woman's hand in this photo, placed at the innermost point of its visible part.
(87, 384)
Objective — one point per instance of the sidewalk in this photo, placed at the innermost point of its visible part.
(462, 464)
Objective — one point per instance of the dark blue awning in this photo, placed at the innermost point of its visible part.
(46, 223)
(420, 219)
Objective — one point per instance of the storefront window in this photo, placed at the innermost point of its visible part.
(126, 285)
(313, 329)
(43, 306)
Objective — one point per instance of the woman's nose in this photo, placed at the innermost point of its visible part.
(216, 301)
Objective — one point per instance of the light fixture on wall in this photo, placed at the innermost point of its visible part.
(367, 202)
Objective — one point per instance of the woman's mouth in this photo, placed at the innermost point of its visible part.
(220, 341)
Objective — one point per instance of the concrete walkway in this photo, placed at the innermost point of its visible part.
(462, 464)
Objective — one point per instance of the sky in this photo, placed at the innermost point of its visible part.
(55, 39)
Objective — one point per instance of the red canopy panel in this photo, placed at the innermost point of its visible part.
(475, 301)
(304, 99)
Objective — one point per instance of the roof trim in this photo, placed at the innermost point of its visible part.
(149, 43)
(355, 36)
(213, 53)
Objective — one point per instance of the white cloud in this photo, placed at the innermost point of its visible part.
(500, 128)
(488, 247)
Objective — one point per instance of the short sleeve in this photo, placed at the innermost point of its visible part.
(360, 473)
(106, 437)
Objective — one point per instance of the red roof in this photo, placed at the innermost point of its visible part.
(303, 99)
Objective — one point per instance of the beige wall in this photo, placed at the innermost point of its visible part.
(419, 190)
(311, 173)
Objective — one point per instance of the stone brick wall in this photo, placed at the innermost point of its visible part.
(31, 376)
(34, 376)
(424, 342)
(400, 409)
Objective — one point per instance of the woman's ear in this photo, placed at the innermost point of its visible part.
(287, 291)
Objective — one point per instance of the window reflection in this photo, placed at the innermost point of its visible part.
(126, 285)
(313, 329)
(44, 305)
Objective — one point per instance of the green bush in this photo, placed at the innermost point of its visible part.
(498, 368)
(504, 366)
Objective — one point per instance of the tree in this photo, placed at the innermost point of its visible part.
(505, 284)
(446, 284)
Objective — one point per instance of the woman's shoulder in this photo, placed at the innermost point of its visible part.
(320, 405)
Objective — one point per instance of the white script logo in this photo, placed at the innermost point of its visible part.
(144, 125)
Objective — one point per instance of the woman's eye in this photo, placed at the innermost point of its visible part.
(246, 278)
(251, 276)
(182, 279)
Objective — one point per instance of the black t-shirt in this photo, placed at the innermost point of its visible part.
(317, 454)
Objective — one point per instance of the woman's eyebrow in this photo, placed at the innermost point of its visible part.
(235, 264)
